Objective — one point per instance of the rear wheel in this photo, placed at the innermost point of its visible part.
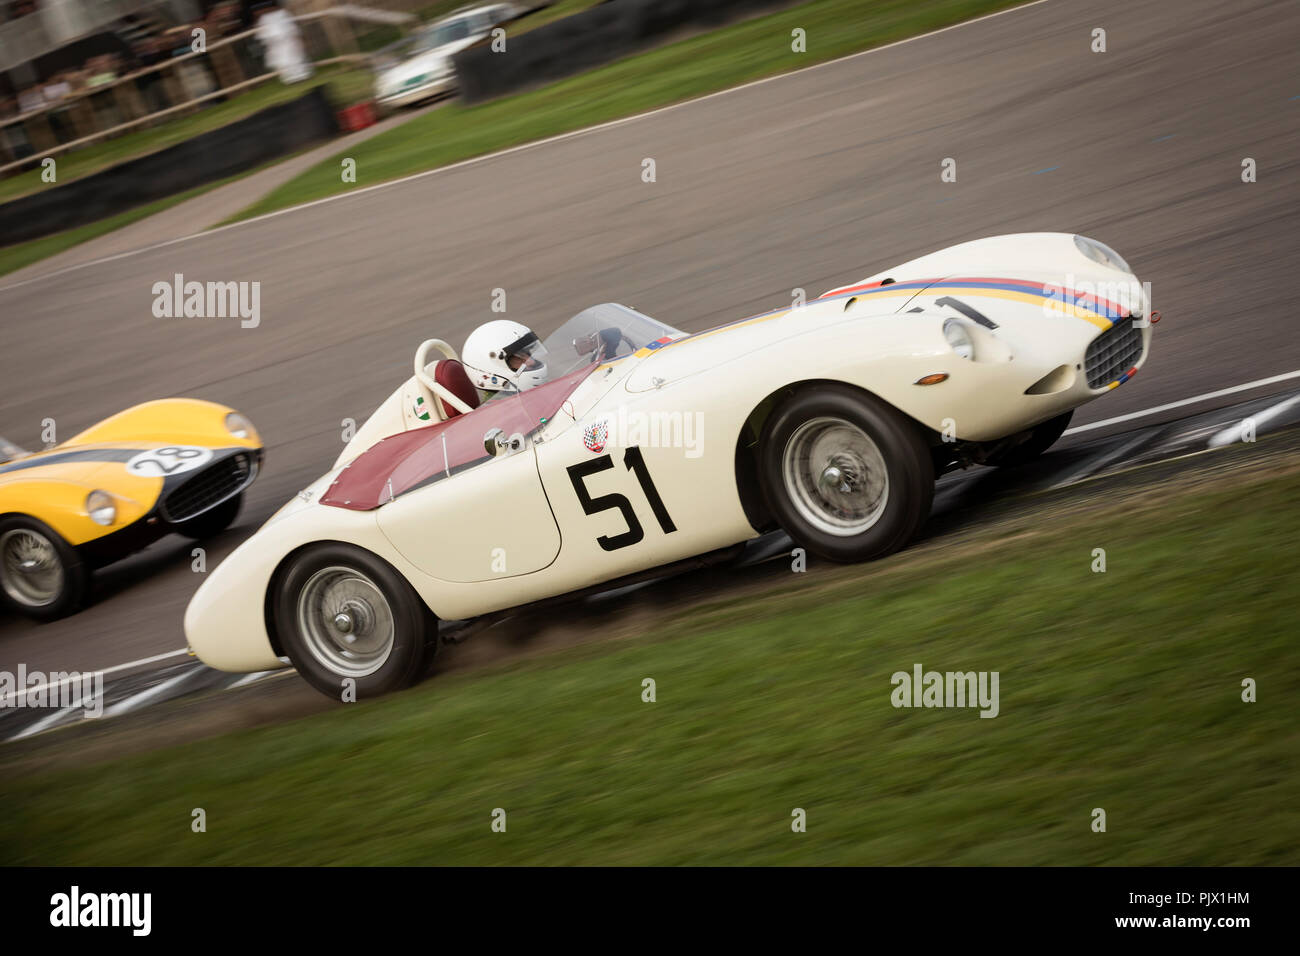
(845, 475)
(41, 576)
(1041, 437)
(344, 614)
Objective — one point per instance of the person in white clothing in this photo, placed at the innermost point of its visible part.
(280, 37)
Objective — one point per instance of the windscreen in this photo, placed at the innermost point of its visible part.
(451, 31)
(601, 333)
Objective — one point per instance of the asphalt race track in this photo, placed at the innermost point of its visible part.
(810, 180)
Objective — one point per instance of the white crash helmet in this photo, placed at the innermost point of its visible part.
(504, 355)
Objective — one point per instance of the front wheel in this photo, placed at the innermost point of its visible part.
(343, 614)
(847, 476)
(41, 577)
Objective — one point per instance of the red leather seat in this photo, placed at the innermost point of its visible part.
(451, 375)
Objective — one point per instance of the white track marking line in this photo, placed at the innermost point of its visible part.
(560, 137)
(1233, 433)
(136, 700)
(44, 722)
(8, 699)
(1098, 462)
(249, 678)
(1185, 401)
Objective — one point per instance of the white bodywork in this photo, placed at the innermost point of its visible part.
(430, 73)
(449, 538)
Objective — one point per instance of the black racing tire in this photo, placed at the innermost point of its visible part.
(852, 521)
(58, 590)
(213, 521)
(1041, 437)
(397, 635)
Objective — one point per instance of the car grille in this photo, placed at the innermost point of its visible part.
(1113, 353)
(209, 487)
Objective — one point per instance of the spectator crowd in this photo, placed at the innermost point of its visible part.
(149, 90)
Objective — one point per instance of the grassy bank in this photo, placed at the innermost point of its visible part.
(1119, 690)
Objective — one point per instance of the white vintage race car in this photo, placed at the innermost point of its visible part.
(648, 446)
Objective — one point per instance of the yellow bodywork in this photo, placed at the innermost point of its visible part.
(56, 493)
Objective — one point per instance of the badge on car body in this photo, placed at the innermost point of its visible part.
(595, 436)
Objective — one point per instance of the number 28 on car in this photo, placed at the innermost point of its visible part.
(176, 465)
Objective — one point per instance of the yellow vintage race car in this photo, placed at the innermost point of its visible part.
(178, 464)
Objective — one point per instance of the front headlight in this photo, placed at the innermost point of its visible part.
(960, 340)
(101, 507)
(240, 427)
(1101, 253)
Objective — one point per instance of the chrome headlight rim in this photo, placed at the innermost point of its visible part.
(959, 339)
(1101, 253)
(101, 507)
(239, 426)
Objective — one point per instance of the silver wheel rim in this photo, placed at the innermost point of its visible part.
(835, 476)
(346, 621)
(32, 572)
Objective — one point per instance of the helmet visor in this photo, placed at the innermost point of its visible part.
(525, 354)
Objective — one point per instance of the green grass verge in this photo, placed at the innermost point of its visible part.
(345, 85)
(1118, 690)
(702, 64)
